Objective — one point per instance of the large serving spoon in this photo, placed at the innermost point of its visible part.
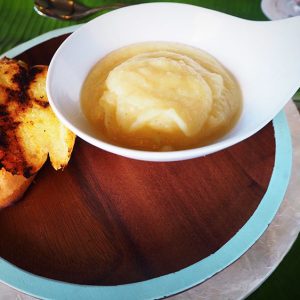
(68, 9)
(263, 56)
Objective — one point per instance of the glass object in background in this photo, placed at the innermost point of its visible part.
(290, 7)
(280, 9)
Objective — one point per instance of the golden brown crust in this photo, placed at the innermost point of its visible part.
(13, 99)
(29, 130)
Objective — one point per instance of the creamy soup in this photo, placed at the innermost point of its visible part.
(160, 97)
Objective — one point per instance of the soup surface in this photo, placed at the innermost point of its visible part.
(160, 97)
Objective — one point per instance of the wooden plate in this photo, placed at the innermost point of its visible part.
(108, 220)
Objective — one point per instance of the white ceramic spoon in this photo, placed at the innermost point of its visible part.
(263, 56)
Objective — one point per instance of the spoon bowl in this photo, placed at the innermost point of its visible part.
(68, 9)
(263, 57)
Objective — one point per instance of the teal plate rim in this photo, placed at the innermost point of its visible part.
(186, 278)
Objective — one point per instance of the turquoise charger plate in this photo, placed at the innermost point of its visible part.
(188, 277)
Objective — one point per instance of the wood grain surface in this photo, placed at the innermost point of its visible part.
(109, 220)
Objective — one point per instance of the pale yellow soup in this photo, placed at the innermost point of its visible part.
(160, 97)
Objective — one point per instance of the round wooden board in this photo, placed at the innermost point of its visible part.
(108, 220)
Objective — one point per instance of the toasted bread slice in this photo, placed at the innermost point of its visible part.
(29, 130)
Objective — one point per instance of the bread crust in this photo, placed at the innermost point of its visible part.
(12, 187)
(29, 130)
